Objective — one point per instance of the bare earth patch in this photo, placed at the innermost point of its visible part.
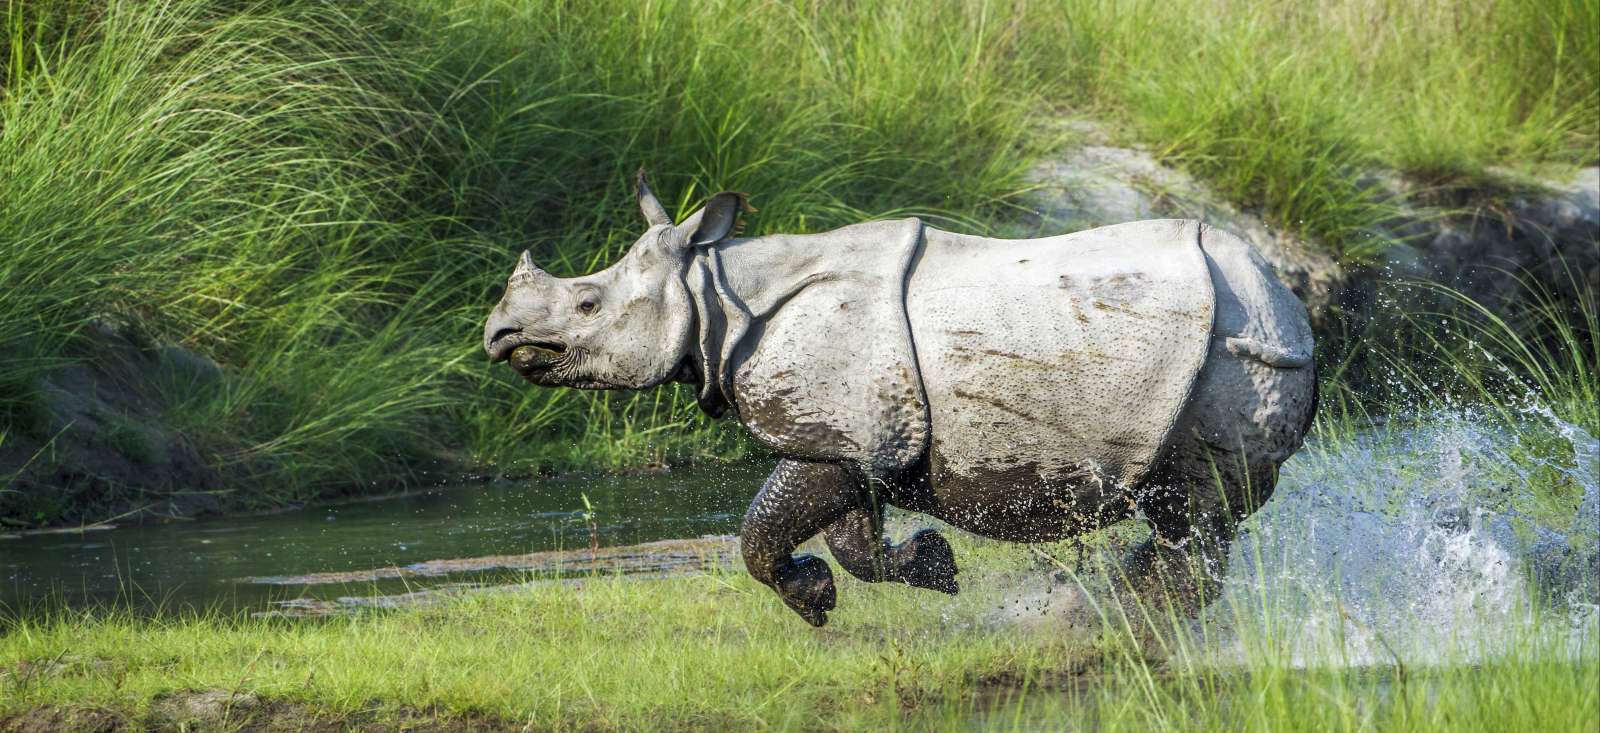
(221, 710)
(663, 558)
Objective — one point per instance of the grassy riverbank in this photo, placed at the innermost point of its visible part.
(715, 651)
(323, 198)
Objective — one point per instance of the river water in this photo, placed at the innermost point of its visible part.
(209, 563)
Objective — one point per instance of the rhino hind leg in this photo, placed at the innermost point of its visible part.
(924, 561)
(1183, 562)
(1247, 416)
(797, 501)
(1194, 508)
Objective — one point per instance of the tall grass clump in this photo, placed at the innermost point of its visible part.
(1543, 356)
(1284, 106)
(233, 181)
(1434, 347)
(324, 199)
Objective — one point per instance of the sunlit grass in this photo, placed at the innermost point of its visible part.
(324, 200)
(713, 651)
(1286, 106)
(602, 653)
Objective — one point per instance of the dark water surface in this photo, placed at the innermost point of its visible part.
(208, 563)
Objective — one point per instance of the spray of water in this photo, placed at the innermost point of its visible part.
(1437, 540)
(1448, 537)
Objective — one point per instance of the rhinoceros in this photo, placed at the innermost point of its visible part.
(1025, 390)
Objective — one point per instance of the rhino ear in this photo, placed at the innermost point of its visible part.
(654, 212)
(714, 222)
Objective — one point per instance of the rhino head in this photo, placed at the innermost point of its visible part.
(628, 326)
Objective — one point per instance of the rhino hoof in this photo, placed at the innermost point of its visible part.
(928, 562)
(807, 588)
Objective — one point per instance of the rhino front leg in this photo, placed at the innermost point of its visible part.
(924, 561)
(798, 500)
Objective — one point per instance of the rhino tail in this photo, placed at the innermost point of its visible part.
(1269, 354)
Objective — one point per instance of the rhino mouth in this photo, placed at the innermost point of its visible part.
(535, 358)
(506, 343)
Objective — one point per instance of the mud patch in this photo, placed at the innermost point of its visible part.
(216, 708)
(196, 711)
(97, 443)
(662, 557)
(52, 718)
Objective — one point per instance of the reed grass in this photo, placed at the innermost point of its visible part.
(324, 197)
(1287, 107)
(1445, 350)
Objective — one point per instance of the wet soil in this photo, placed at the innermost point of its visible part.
(199, 711)
(660, 557)
(664, 558)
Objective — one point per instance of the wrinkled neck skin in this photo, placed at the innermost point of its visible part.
(732, 285)
(719, 324)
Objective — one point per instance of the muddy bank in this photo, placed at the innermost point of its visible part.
(105, 442)
(664, 556)
(196, 711)
(99, 443)
(661, 559)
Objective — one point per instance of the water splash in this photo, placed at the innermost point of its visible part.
(1430, 540)
(1451, 536)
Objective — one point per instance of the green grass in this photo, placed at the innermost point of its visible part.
(1284, 105)
(1446, 350)
(325, 197)
(227, 181)
(716, 651)
(606, 654)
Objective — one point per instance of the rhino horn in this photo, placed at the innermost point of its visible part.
(525, 266)
(654, 212)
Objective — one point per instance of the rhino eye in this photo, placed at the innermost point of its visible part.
(587, 306)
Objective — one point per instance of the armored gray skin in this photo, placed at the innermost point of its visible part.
(1026, 390)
